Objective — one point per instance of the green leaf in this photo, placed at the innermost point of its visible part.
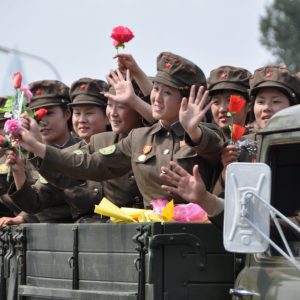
(30, 112)
(8, 105)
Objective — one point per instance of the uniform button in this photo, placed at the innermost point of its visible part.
(131, 177)
(166, 151)
(96, 190)
(168, 133)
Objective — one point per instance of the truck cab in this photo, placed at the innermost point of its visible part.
(262, 213)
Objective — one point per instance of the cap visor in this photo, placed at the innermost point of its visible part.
(164, 81)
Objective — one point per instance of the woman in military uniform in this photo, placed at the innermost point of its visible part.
(272, 88)
(54, 96)
(88, 118)
(7, 208)
(224, 82)
(178, 135)
(88, 103)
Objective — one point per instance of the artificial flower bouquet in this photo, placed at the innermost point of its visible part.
(163, 211)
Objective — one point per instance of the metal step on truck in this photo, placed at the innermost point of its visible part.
(257, 256)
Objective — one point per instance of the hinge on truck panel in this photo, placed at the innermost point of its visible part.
(9, 253)
(181, 239)
(3, 249)
(73, 260)
(141, 239)
(20, 246)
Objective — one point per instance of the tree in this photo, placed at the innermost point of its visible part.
(280, 30)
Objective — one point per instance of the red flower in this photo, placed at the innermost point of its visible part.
(121, 35)
(17, 80)
(237, 132)
(40, 113)
(236, 104)
(4, 143)
(2, 140)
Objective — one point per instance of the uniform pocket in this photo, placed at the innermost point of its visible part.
(185, 152)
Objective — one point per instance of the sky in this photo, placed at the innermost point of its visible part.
(73, 36)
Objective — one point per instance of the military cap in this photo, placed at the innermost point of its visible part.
(229, 78)
(5, 108)
(279, 77)
(178, 72)
(48, 93)
(88, 91)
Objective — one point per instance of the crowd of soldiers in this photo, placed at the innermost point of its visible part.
(133, 139)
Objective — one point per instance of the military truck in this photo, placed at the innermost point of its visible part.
(266, 193)
(175, 261)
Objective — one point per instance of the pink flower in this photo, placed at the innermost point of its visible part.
(17, 80)
(27, 92)
(190, 212)
(121, 35)
(12, 126)
(158, 205)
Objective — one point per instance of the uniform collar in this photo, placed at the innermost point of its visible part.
(69, 142)
(175, 128)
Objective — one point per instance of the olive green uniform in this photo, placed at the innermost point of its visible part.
(10, 208)
(145, 150)
(47, 202)
(122, 190)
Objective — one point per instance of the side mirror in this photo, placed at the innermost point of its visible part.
(246, 216)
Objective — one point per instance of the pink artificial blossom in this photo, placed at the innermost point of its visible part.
(27, 92)
(190, 212)
(158, 205)
(17, 80)
(12, 126)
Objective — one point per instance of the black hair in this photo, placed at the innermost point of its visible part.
(65, 108)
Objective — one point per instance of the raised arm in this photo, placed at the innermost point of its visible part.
(127, 62)
(192, 112)
(125, 94)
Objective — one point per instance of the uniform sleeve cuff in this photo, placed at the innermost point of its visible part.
(219, 207)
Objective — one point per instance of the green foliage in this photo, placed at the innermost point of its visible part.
(8, 105)
(280, 29)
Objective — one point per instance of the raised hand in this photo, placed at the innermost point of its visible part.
(30, 143)
(229, 155)
(187, 186)
(190, 187)
(32, 125)
(127, 62)
(193, 109)
(122, 86)
(14, 161)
